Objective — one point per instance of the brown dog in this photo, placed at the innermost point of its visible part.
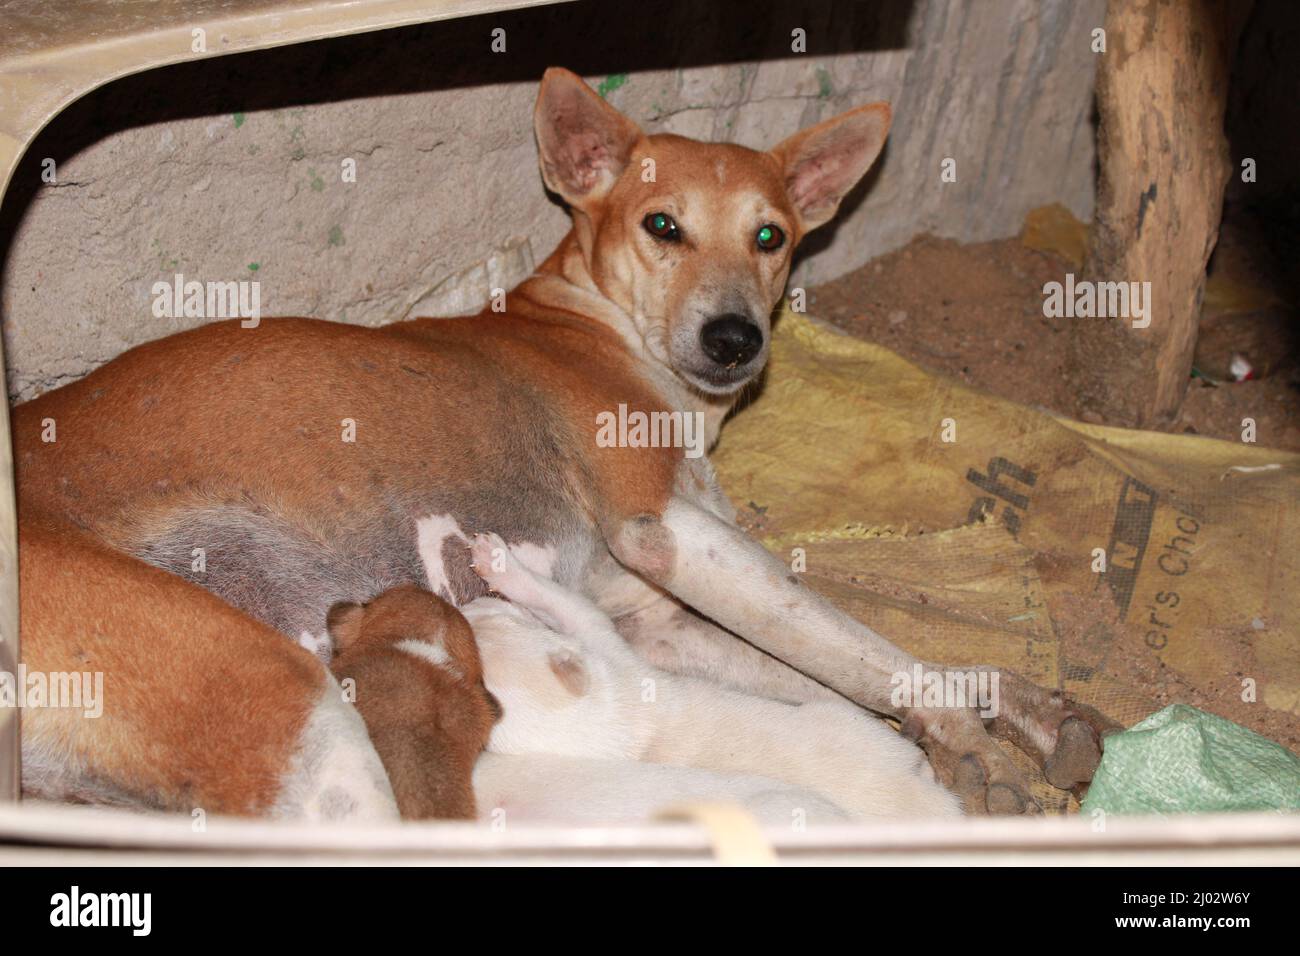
(417, 680)
(315, 462)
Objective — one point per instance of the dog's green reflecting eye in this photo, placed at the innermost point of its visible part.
(661, 226)
(770, 237)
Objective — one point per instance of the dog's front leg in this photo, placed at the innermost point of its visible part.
(720, 571)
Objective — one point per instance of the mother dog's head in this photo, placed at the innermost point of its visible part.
(691, 239)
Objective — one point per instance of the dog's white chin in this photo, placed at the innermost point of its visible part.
(716, 388)
(719, 389)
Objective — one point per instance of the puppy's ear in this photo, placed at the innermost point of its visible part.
(570, 670)
(583, 142)
(822, 163)
(344, 624)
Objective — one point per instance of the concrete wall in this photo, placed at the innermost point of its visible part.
(232, 168)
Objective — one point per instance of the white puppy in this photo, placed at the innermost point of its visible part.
(544, 788)
(571, 687)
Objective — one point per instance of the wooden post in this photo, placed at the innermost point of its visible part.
(1162, 88)
(10, 770)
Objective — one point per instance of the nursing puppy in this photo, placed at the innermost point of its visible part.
(419, 687)
(570, 687)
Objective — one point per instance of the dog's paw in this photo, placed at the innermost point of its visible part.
(1062, 734)
(970, 763)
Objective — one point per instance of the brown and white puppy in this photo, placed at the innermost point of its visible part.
(657, 303)
(409, 661)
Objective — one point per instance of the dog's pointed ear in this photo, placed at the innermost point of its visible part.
(344, 624)
(822, 163)
(582, 141)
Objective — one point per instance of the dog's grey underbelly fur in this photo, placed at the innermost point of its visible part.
(288, 573)
(279, 571)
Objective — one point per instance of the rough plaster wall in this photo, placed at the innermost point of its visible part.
(231, 169)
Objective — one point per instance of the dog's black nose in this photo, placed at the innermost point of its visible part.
(731, 339)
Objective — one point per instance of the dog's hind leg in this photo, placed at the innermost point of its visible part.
(675, 638)
(193, 705)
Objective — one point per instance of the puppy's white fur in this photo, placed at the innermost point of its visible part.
(539, 788)
(572, 688)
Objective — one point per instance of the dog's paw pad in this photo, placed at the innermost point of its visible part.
(987, 783)
(1076, 756)
(1008, 799)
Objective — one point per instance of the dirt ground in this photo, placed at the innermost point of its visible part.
(975, 313)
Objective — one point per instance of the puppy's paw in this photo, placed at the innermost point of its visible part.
(492, 561)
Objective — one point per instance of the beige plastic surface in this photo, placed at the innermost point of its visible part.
(71, 836)
(54, 51)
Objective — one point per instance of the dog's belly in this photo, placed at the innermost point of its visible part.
(275, 564)
(288, 569)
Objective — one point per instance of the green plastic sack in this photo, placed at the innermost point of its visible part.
(1183, 760)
